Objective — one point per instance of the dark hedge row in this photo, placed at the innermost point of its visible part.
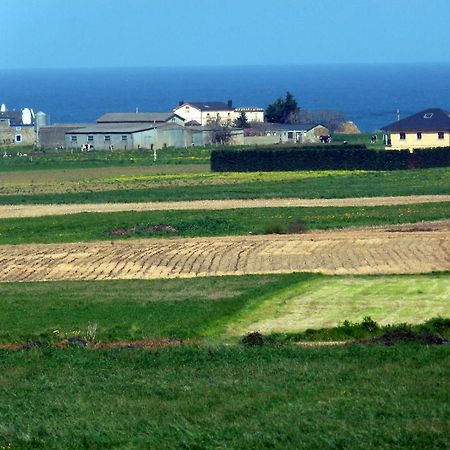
(326, 158)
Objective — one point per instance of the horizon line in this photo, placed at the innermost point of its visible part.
(225, 66)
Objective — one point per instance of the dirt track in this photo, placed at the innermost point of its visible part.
(371, 251)
(16, 211)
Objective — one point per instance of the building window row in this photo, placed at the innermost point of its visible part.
(441, 135)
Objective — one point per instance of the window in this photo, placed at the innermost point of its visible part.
(440, 135)
(402, 136)
(124, 138)
(90, 138)
(428, 116)
(18, 138)
(419, 135)
(107, 138)
(18, 128)
(73, 139)
(290, 135)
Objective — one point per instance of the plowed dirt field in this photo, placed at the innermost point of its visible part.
(388, 250)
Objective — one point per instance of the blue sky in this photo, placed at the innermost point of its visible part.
(134, 33)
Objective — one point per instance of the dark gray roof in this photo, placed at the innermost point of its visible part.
(433, 119)
(113, 128)
(294, 126)
(15, 117)
(210, 106)
(137, 117)
(66, 125)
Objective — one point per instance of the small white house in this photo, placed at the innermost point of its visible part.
(205, 113)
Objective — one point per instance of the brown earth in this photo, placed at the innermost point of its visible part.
(16, 211)
(348, 128)
(384, 250)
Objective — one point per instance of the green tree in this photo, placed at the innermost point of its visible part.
(241, 121)
(283, 110)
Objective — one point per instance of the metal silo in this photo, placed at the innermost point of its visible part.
(40, 120)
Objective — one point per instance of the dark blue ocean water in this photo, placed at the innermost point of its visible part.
(367, 94)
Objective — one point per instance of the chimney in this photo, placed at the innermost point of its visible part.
(181, 103)
(230, 103)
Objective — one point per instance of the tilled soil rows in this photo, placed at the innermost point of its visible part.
(16, 211)
(386, 250)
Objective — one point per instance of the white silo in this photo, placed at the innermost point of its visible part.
(41, 120)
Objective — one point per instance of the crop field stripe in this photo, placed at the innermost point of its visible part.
(22, 211)
(326, 252)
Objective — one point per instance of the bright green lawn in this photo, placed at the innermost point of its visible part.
(99, 226)
(226, 398)
(326, 302)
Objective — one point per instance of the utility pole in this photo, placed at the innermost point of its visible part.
(398, 114)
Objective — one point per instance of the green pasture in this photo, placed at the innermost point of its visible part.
(198, 186)
(359, 139)
(226, 397)
(133, 224)
(68, 159)
(214, 308)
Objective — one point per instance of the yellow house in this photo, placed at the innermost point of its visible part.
(426, 129)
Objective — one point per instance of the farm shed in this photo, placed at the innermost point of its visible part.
(107, 136)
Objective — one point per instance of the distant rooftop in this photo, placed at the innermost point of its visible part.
(14, 117)
(293, 126)
(210, 106)
(113, 128)
(433, 119)
(143, 117)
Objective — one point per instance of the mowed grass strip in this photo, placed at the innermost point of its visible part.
(236, 186)
(325, 302)
(131, 224)
(214, 308)
(226, 397)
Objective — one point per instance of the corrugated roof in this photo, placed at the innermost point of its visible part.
(66, 125)
(113, 128)
(294, 126)
(433, 119)
(143, 117)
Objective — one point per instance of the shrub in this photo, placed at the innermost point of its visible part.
(369, 324)
(274, 228)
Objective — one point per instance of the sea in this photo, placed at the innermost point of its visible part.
(368, 94)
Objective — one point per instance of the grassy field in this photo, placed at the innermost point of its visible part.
(362, 139)
(215, 392)
(217, 308)
(131, 224)
(226, 397)
(198, 186)
(67, 159)
(325, 303)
